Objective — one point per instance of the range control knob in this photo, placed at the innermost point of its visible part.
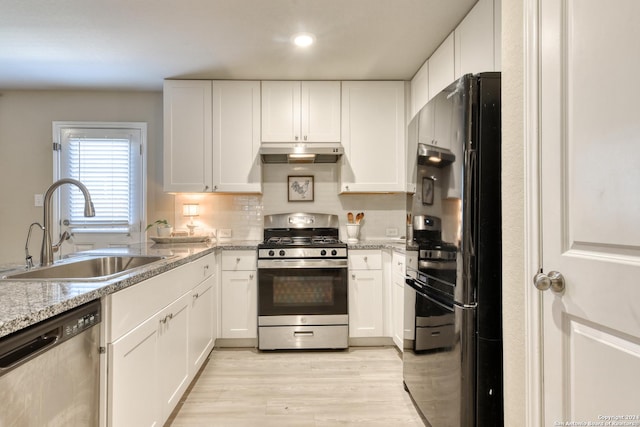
(323, 252)
(334, 252)
(281, 253)
(271, 253)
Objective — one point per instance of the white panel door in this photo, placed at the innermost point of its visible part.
(590, 175)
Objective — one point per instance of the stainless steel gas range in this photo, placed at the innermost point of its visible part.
(302, 283)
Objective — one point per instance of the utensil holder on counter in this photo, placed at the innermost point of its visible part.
(353, 231)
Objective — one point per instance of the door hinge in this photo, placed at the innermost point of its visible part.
(57, 146)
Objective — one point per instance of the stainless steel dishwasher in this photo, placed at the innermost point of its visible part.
(49, 372)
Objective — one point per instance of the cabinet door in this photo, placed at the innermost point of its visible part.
(173, 353)
(474, 41)
(201, 323)
(320, 111)
(373, 129)
(239, 304)
(397, 310)
(187, 135)
(236, 136)
(280, 111)
(365, 304)
(441, 67)
(133, 398)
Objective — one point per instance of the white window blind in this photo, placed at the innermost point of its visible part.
(104, 166)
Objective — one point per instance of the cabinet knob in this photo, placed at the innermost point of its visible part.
(305, 137)
(206, 188)
(296, 138)
(237, 260)
(251, 276)
(353, 276)
(365, 259)
(196, 295)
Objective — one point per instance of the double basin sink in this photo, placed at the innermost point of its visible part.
(93, 268)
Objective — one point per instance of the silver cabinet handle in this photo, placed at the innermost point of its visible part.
(553, 280)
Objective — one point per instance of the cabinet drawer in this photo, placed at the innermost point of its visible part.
(365, 260)
(239, 260)
(204, 267)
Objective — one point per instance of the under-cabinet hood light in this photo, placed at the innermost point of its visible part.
(434, 156)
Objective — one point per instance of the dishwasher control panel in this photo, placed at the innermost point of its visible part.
(80, 323)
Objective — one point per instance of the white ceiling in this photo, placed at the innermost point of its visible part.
(135, 44)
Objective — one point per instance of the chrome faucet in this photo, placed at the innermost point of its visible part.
(27, 256)
(47, 250)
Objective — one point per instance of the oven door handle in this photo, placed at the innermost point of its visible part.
(302, 263)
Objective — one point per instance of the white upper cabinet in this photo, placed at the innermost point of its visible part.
(419, 89)
(294, 111)
(441, 67)
(236, 137)
(373, 136)
(434, 123)
(211, 136)
(187, 135)
(475, 49)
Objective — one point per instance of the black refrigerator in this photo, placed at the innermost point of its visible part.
(452, 358)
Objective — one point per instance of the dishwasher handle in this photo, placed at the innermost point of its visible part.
(25, 351)
(28, 343)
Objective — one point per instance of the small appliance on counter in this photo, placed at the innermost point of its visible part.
(302, 283)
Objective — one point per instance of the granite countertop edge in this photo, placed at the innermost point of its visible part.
(24, 303)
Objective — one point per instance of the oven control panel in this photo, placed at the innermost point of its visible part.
(302, 253)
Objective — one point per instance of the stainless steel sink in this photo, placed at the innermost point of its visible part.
(98, 268)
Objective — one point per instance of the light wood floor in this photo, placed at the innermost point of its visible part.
(245, 387)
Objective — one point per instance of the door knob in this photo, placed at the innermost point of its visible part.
(553, 280)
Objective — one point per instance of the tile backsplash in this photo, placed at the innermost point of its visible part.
(243, 213)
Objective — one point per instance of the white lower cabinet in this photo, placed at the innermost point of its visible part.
(397, 298)
(202, 323)
(239, 295)
(173, 353)
(132, 380)
(366, 311)
(158, 336)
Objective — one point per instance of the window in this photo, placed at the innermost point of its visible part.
(108, 158)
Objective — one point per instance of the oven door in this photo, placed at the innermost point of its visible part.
(302, 288)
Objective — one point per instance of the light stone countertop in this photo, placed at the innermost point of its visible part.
(24, 303)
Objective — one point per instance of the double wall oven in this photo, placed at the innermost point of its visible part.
(302, 283)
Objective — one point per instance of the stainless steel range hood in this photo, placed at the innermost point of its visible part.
(310, 152)
(434, 156)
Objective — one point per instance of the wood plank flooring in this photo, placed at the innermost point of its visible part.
(361, 386)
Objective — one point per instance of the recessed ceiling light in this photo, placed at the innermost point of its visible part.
(303, 39)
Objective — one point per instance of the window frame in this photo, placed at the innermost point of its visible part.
(87, 239)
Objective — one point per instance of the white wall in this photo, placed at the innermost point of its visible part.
(514, 281)
(26, 160)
